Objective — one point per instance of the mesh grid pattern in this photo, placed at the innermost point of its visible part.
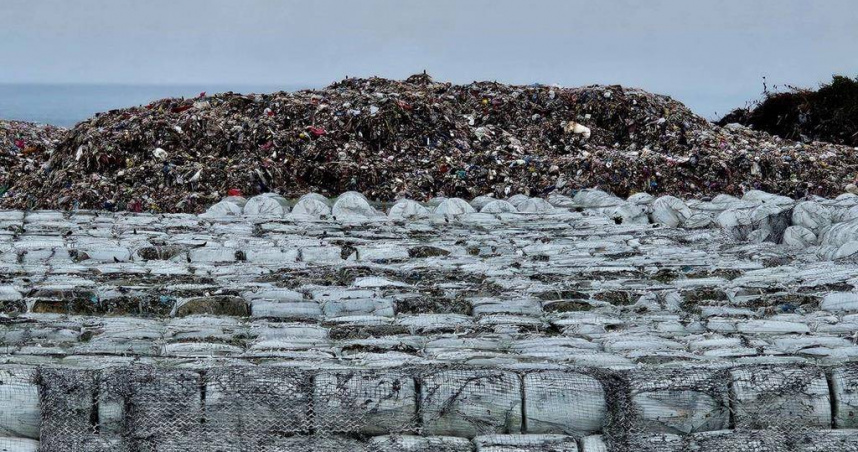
(447, 409)
(799, 396)
(561, 402)
(468, 404)
(250, 406)
(365, 402)
(514, 443)
(844, 383)
(19, 406)
(679, 401)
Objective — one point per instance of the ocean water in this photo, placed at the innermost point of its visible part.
(67, 104)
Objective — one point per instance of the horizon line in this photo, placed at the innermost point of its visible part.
(99, 83)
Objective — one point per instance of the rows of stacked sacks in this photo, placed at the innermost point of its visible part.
(828, 226)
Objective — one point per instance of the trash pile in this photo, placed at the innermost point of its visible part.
(827, 114)
(417, 139)
(24, 147)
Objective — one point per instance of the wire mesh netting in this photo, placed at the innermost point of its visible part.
(679, 401)
(441, 408)
(19, 407)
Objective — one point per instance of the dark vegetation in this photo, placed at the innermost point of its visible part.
(829, 113)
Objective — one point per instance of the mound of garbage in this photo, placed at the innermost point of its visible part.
(24, 147)
(417, 139)
(827, 114)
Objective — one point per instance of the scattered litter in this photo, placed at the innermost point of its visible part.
(24, 149)
(415, 139)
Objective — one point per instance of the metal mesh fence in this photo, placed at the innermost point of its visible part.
(19, 407)
(428, 408)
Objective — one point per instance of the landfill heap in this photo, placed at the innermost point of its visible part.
(827, 114)
(24, 147)
(417, 138)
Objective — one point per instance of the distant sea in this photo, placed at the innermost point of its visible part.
(67, 104)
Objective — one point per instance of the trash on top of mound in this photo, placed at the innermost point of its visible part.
(24, 147)
(829, 113)
(418, 139)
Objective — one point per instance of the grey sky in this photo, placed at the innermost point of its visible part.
(709, 54)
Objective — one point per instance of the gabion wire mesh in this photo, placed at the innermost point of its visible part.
(444, 408)
(679, 401)
(19, 408)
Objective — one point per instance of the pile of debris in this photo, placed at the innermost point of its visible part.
(827, 114)
(24, 148)
(417, 138)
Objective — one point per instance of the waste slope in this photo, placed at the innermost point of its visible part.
(418, 139)
(24, 147)
(829, 113)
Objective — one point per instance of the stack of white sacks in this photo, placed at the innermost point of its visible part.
(826, 227)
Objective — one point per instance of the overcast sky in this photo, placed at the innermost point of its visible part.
(709, 54)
